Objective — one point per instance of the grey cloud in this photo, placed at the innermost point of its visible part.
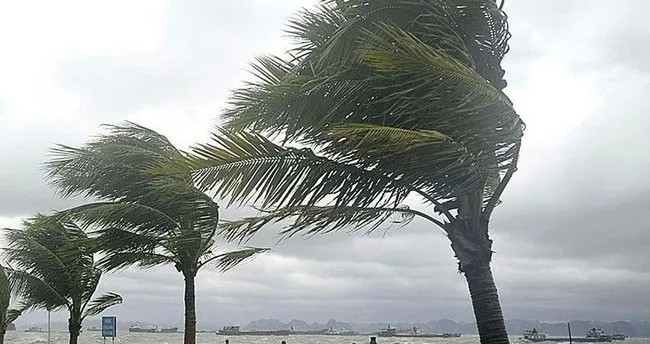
(114, 86)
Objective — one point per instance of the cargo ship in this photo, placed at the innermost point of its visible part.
(415, 333)
(236, 331)
(169, 330)
(138, 329)
(34, 329)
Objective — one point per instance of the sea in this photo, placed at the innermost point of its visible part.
(17, 337)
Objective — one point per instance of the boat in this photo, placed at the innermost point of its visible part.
(34, 329)
(236, 331)
(142, 329)
(153, 329)
(595, 335)
(169, 330)
(619, 336)
(450, 335)
(534, 335)
(93, 329)
(334, 332)
(415, 333)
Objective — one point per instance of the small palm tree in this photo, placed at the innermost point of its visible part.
(54, 269)
(7, 316)
(378, 101)
(142, 218)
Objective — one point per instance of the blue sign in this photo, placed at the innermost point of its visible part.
(109, 327)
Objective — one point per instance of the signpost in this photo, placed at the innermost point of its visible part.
(109, 328)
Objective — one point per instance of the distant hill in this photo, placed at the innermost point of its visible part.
(298, 325)
(266, 325)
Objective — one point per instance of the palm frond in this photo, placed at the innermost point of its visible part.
(122, 214)
(31, 254)
(388, 135)
(405, 64)
(121, 260)
(229, 260)
(247, 167)
(136, 211)
(13, 314)
(483, 26)
(98, 305)
(10, 315)
(112, 166)
(312, 220)
(112, 239)
(37, 292)
(88, 282)
(5, 295)
(372, 144)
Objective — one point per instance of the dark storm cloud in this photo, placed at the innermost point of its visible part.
(571, 237)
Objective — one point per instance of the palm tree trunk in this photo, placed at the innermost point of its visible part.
(2, 336)
(74, 328)
(487, 309)
(190, 310)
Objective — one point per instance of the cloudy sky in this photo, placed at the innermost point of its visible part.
(571, 237)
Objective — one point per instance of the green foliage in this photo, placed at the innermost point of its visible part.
(142, 217)
(52, 267)
(7, 315)
(378, 101)
(312, 220)
(98, 305)
(5, 297)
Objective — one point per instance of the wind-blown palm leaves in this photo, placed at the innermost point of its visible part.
(379, 100)
(7, 315)
(141, 218)
(53, 268)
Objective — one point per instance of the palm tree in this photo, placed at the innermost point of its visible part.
(54, 269)
(7, 316)
(142, 218)
(379, 101)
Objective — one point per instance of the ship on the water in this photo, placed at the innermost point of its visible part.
(93, 329)
(34, 329)
(595, 335)
(534, 335)
(415, 333)
(236, 331)
(139, 329)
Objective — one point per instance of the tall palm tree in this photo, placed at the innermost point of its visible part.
(143, 218)
(378, 101)
(53, 268)
(7, 316)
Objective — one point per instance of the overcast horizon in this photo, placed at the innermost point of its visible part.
(570, 239)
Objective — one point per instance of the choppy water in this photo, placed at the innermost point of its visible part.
(15, 337)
